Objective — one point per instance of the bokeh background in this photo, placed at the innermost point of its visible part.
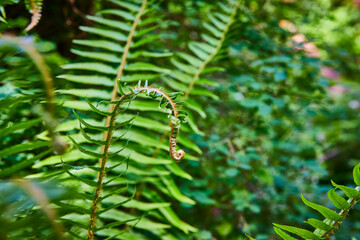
(287, 119)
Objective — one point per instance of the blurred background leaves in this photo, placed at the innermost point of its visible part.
(286, 119)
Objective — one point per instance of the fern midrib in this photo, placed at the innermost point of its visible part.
(214, 53)
(122, 65)
(126, 50)
(102, 172)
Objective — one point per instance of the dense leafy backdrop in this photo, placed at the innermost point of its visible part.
(268, 92)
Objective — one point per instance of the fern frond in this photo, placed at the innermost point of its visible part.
(189, 67)
(106, 155)
(122, 57)
(324, 229)
(192, 66)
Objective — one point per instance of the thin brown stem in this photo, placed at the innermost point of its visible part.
(102, 173)
(123, 62)
(39, 63)
(126, 50)
(49, 114)
(172, 103)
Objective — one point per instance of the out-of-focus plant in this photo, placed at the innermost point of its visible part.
(273, 127)
(27, 106)
(33, 6)
(26, 210)
(34, 95)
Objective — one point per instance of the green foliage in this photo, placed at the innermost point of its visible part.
(260, 120)
(324, 229)
(2, 10)
(184, 78)
(256, 152)
(25, 212)
(28, 95)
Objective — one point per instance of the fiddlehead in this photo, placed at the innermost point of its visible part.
(175, 122)
(191, 67)
(175, 155)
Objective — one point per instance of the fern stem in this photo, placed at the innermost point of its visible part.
(102, 172)
(215, 52)
(173, 105)
(39, 63)
(49, 114)
(176, 155)
(126, 50)
(122, 64)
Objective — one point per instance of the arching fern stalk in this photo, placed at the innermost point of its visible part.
(154, 93)
(326, 228)
(34, 84)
